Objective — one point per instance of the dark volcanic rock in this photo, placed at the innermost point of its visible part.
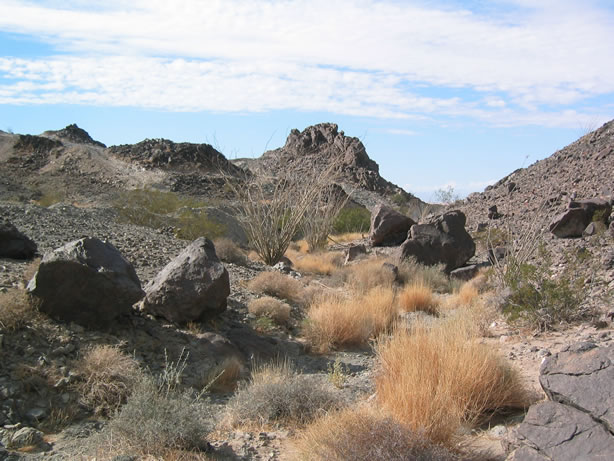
(582, 376)
(73, 133)
(444, 241)
(14, 244)
(571, 223)
(388, 227)
(86, 281)
(552, 431)
(465, 273)
(193, 286)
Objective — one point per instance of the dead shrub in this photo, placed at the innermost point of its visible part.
(224, 377)
(276, 393)
(108, 377)
(229, 252)
(334, 321)
(16, 310)
(348, 237)
(270, 307)
(467, 294)
(278, 285)
(411, 271)
(418, 297)
(438, 379)
(364, 434)
(369, 274)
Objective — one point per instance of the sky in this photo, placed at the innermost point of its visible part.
(442, 93)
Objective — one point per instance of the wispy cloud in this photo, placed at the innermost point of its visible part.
(527, 65)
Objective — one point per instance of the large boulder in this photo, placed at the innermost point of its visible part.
(580, 213)
(578, 421)
(87, 281)
(388, 226)
(444, 241)
(193, 286)
(14, 244)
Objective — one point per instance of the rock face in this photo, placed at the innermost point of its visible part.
(443, 241)
(193, 286)
(86, 281)
(577, 423)
(388, 227)
(74, 134)
(579, 215)
(14, 244)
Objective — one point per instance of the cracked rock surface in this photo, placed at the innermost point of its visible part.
(578, 420)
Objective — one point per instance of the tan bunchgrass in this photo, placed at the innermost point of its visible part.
(323, 263)
(439, 379)
(224, 377)
(335, 321)
(16, 310)
(278, 285)
(467, 294)
(229, 252)
(346, 237)
(108, 377)
(418, 297)
(270, 307)
(364, 434)
(368, 274)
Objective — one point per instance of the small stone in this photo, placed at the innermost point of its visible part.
(26, 436)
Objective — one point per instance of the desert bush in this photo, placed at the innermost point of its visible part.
(224, 376)
(364, 434)
(278, 285)
(270, 307)
(159, 416)
(276, 393)
(448, 381)
(16, 310)
(107, 377)
(352, 219)
(50, 197)
(323, 263)
(320, 217)
(467, 294)
(418, 297)
(434, 277)
(272, 210)
(369, 274)
(347, 237)
(192, 224)
(334, 321)
(229, 252)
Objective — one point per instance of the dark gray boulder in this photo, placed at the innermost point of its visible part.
(557, 432)
(14, 244)
(582, 376)
(87, 281)
(354, 252)
(580, 213)
(465, 273)
(193, 286)
(444, 241)
(388, 226)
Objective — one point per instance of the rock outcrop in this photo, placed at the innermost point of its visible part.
(14, 244)
(578, 421)
(574, 221)
(444, 241)
(193, 286)
(388, 226)
(74, 134)
(86, 281)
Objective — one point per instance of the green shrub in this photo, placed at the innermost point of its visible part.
(355, 219)
(541, 300)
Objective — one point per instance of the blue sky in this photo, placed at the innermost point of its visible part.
(442, 93)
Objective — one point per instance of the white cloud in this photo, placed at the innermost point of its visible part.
(355, 57)
(402, 132)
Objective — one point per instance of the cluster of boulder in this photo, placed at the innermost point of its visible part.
(89, 282)
(441, 240)
(582, 218)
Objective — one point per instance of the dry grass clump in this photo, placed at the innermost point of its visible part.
(364, 434)
(439, 379)
(278, 285)
(337, 321)
(224, 377)
(229, 252)
(347, 237)
(370, 273)
(432, 276)
(418, 297)
(277, 393)
(270, 307)
(467, 294)
(16, 310)
(323, 263)
(108, 377)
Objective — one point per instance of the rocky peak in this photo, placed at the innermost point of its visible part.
(73, 133)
